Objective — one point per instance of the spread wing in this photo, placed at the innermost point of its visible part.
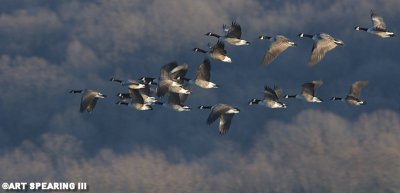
(311, 87)
(166, 69)
(276, 48)
(269, 93)
(356, 87)
(162, 88)
(136, 96)
(178, 72)
(204, 71)
(225, 123)
(219, 48)
(308, 89)
(217, 111)
(319, 50)
(88, 101)
(377, 21)
(278, 92)
(234, 31)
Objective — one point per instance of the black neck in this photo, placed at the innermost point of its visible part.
(213, 34)
(115, 80)
(362, 28)
(264, 37)
(121, 103)
(205, 107)
(199, 50)
(336, 98)
(75, 91)
(306, 35)
(290, 96)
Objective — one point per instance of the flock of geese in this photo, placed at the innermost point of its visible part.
(146, 92)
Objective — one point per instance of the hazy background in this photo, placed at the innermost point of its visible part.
(50, 47)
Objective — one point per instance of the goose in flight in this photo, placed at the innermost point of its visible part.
(232, 36)
(137, 101)
(133, 84)
(203, 76)
(217, 52)
(353, 97)
(378, 27)
(224, 113)
(323, 43)
(271, 98)
(279, 44)
(145, 93)
(170, 80)
(176, 102)
(308, 92)
(89, 99)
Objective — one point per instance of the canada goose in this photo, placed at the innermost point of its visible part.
(353, 97)
(308, 92)
(203, 76)
(133, 84)
(271, 98)
(174, 71)
(323, 43)
(175, 102)
(279, 44)
(144, 92)
(142, 85)
(222, 111)
(137, 101)
(89, 99)
(217, 52)
(170, 80)
(233, 34)
(166, 86)
(378, 27)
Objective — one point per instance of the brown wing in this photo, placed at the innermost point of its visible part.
(204, 71)
(166, 69)
(179, 72)
(356, 87)
(311, 87)
(319, 50)
(219, 47)
(270, 94)
(225, 123)
(235, 31)
(88, 101)
(162, 87)
(276, 48)
(136, 96)
(377, 22)
(278, 92)
(217, 111)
